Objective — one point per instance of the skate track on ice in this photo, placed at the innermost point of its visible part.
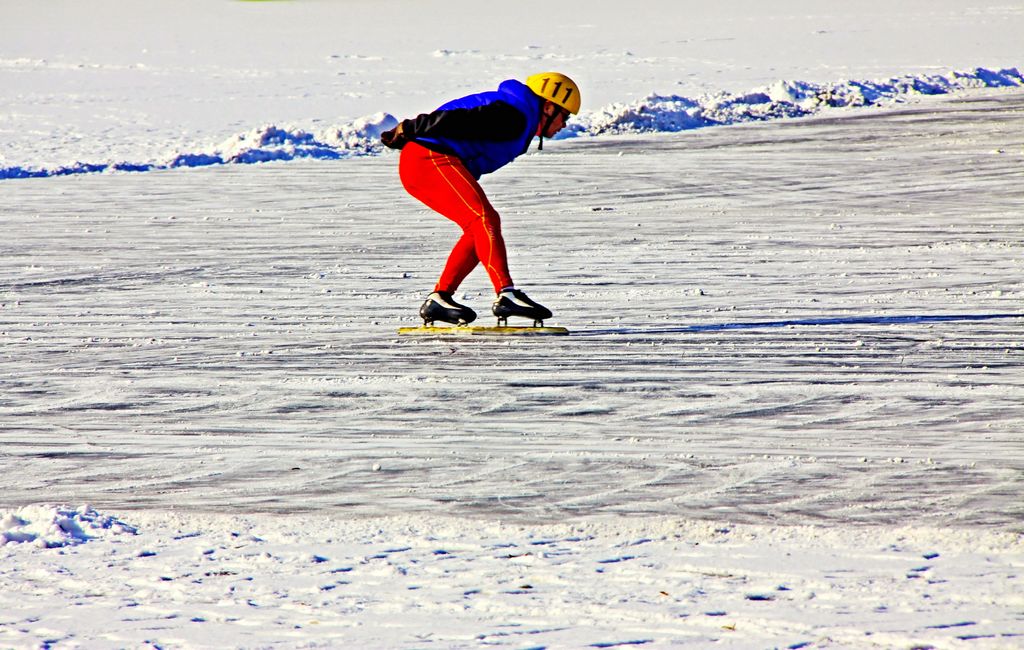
(224, 339)
(807, 322)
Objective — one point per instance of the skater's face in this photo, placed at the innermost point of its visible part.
(560, 117)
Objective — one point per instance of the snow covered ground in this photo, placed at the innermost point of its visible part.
(790, 413)
(191, 580)
(145, 84)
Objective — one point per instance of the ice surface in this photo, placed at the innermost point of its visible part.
(165, 349)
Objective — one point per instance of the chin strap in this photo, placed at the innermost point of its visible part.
(543, 130)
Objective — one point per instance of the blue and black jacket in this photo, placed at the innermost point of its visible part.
(486, 130)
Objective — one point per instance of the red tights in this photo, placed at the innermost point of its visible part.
(444, 184)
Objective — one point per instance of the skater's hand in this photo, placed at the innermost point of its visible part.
(395, 138)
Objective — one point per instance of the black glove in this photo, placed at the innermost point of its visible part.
(395, 138)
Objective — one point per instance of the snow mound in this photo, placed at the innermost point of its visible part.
(56, 526)
(657, 113)
(262, 144)
(654, 113)
(271, 142)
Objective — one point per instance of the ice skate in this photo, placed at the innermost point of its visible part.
(513, 302)
(441, 306)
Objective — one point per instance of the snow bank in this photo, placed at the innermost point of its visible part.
(48, 526)
(271, 142)
(262, 144)
(655, 113)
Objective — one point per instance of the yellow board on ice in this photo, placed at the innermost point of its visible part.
(479, 330)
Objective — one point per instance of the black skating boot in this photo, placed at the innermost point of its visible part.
(513, 302)
(441, 306)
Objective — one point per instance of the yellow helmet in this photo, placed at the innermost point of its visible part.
(556, 88)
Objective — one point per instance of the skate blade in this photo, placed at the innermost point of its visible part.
(481, 330)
